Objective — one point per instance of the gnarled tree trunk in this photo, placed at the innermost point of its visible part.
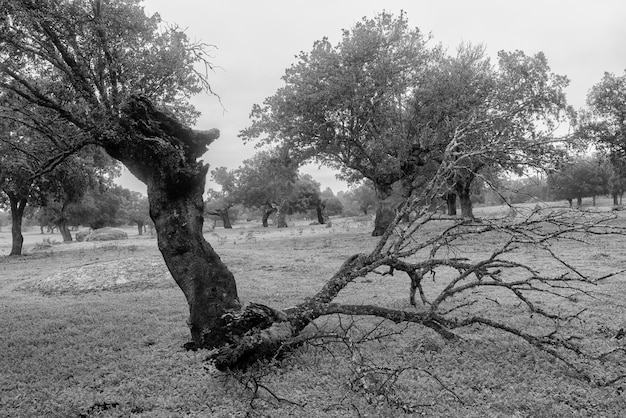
(163, 154)
(268, 209)
(224, 216)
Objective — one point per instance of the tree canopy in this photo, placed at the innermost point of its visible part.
(384, 105)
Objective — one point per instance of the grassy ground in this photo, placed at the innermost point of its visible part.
(97, 330)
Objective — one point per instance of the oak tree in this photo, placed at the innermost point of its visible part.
(346, 106)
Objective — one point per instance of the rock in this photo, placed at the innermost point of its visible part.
(81, 235)
(106, 234)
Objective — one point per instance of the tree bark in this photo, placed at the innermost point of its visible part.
(281, 217)
(226, 219)
(163, 153)
(17, 214)
(385, 212)
(319, 210)
(450, 199)
(224, 216)
(268, 209)
(463, 192)
(64, 230)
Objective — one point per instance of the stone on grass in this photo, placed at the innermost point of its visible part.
(106, 234)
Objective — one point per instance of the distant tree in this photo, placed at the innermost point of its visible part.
(219, 202)
(512, 108)
(266, 181)
(333, 206)
(345, 106)
(363, 196)
(583, 177)
(603, 123)
(136, 210)
(306, 195)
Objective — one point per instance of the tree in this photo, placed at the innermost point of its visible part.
(604, 120)
(520, 102)
(136, 210)
(103, 69)
(603, 123)
(266, 181)
(220, 202)
(364, 196)
(583, 177)
(332, 204)
(23, 154)
(346, 106)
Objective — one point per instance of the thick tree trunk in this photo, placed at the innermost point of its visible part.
(463, 192)
(615, 200)
(281, 217)
(224, 215)
(579, 201)
(450, 199)
(64, 230)
(140, 228)
(17, 214)
(268, 209)
(163, 153)
(385, 212)
(207, 283)
(319, 210)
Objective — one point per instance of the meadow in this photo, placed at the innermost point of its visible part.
(97, 330)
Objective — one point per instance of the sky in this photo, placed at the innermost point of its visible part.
(255, 41)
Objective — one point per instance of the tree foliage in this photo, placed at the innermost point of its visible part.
(345, 106)
(582, 177)
(383, 105)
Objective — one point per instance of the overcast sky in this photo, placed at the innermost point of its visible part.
(257, 40)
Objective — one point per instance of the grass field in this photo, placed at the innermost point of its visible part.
(97, 330)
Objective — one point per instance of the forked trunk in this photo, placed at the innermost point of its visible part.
(17, 214)
(268, 209)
